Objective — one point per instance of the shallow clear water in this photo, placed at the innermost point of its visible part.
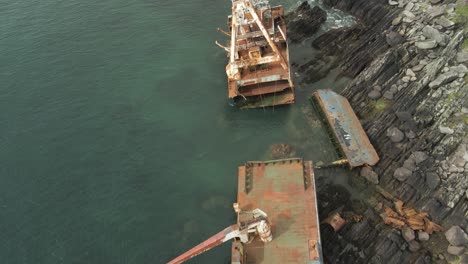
(117, 142)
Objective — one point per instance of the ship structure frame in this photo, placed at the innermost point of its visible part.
(258, 70)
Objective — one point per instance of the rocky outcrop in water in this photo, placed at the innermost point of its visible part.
(410, 91)
(304, 21)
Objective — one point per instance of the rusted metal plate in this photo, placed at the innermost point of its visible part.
(285, 190)
(346, 128)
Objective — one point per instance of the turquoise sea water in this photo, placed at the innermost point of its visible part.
(117, 142)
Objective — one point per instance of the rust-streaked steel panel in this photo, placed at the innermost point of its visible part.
(285, 190)
(346, 128)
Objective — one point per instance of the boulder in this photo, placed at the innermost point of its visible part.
(408, 14)
(410, 72)
(434, 34)
(408, 234)
(410, 134)
(394, 38)
(456, 236)
(402, 174)
(414, 246)
(462, 56)
(395, 134)
(455, 251)
(435, 2)
(419, 156)
(374, 95)
(444, 78)
(388, 95)
(459, 68)
(418, 67)
(446, 130)
(428, 44)
(423, 236)
(392, 3)
(435, 11)
(409, 164)
(396, 21)
(432, 180)
(444, 22)
(370, 175)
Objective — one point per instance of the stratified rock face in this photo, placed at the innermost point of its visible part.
(304, 21)
(419, 133)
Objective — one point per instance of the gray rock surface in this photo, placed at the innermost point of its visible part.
(446, 130)
(434, 34)
(370, 175)
(423, 236)
(456, 251)
(462, 56)
(402, 174)
(432, 180)
(456, 236)
(429, 44)
(444, 78)
(395, 134)
(374, 94)
(414, 246)
(408, 234)
(444, 22)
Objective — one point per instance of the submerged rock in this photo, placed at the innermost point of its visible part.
(304, 21)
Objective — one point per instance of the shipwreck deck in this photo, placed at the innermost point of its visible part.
(285, 190)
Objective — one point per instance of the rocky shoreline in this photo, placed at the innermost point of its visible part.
(409, 89)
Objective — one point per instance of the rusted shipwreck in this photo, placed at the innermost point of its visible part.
(258, 70)
(277, 217)
(350, 138)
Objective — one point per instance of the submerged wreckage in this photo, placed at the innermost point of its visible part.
(258, 70)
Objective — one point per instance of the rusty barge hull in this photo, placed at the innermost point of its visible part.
(346, 129)
(285, 190)
(258, 70)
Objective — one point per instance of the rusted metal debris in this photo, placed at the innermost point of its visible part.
(336, 221)
(346, 128)
(258, 70)
(407, 216)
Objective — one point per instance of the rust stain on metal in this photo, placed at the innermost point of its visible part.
(258, 70)
(347, 129)
(285, 190)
